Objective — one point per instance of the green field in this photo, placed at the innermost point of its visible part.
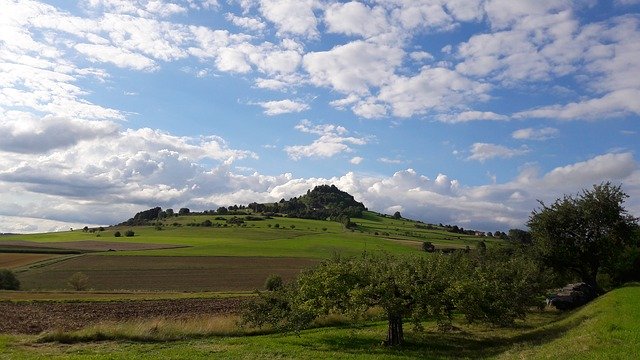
(608, 328)
(177, 256)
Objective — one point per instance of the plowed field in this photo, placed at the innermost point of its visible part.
(164, 273)
(35, 317)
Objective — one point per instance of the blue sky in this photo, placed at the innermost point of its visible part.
(455, 111)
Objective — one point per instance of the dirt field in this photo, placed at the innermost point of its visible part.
(11, 260)
(35, 317)
(163, 273)
(87, 245)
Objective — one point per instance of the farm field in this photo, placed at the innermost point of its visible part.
(16, 260)
(596, 330)
(181, 255)
(164, 273)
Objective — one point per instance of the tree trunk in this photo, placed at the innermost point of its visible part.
(395, 335)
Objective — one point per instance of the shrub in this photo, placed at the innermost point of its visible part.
(129, 233)
(8, 280)
(428, 246)
(273, 283)
(117, 234)
(78, 281)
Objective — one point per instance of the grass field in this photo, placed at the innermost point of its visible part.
(608, 328)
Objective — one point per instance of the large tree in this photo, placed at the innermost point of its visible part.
(585, 233)
(407, 287)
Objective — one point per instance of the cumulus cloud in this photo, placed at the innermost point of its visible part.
(25, 134)
(279, 107)
(484, 151)
(433, 89)
(332, 140)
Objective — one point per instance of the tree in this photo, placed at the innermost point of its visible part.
(184, 211)
(413, 287)
(397, 215)
(8, 280)
(520, 236)
(584, 234)
(117, 234)
(78, 281)
(129, 233)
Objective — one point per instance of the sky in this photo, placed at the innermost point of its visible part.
(465, 112)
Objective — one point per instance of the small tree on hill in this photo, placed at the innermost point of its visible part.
(117, 234)
(129, 233)
(397, 215)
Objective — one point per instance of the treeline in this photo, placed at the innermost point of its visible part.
(324, 202)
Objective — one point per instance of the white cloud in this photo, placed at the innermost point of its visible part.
(279, 107)
(355, 18)
(356, 160)
(248, 23)
(616, 103)
(353, 67)
(332, 141)
(485, 151)
(467, 116)
(390, 161)
(535, 134)
(433, 89)
(292, 16)
(116, 56)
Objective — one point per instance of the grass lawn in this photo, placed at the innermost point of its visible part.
(608, 328)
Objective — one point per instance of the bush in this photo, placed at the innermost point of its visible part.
(78, 281)
(428, 246)
(117, 234)
(273, 283)
(8, 280)
(129, 233)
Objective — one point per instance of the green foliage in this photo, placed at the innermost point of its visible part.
(584, 234)
(274, 282)
(483, 289)
(397, 215)
(8, 280)
(117, 234)
(428, 246)
(129, 233)
(499, 288)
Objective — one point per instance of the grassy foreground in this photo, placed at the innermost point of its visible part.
(608, 328)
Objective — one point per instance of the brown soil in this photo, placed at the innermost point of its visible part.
(36, 317)
(88, 245)
(164, 273)
(14, 260)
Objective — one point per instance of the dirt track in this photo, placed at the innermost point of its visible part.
(35, 317)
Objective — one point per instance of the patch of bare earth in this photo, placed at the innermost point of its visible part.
(36, 317)
(14, 260)
(88, 245)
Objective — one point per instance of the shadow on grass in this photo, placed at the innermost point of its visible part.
(443, 345)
